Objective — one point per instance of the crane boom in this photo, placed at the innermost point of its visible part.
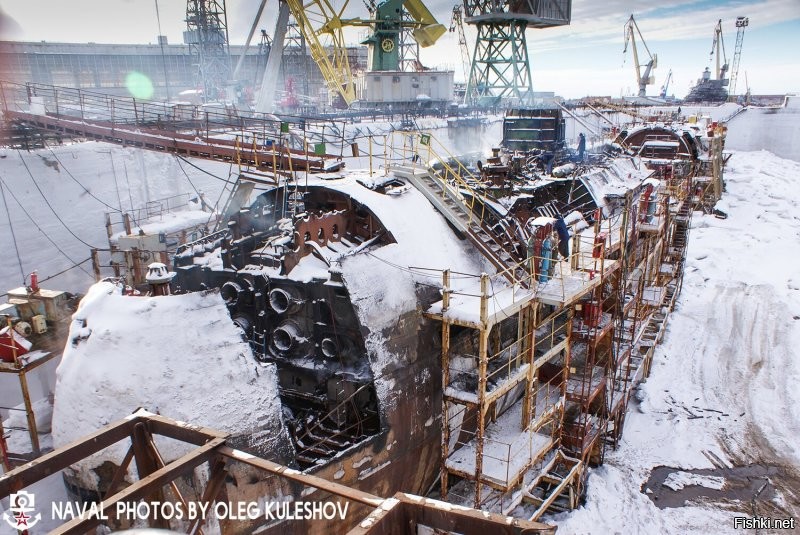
(665, 87)
(718, 50)
(457, 25)
(642, 80)
(741, 24)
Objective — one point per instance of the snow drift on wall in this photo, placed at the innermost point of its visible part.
(180, 356)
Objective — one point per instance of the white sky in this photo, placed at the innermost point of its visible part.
(582, 58)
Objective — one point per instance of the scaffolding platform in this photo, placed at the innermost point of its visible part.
(465, 306)
(560, 291)
(584, 391)
(457, 395)
(507, 451)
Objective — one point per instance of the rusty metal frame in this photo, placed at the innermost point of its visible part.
(174, 143)
(411, 511)
(210, 447)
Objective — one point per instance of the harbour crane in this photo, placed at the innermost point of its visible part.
(642, 79)
(718, 52)
(322, 24)
(741, 24)
(665, 87)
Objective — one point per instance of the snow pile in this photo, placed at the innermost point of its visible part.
(18, 439)
(180, 356)
(724, 382)
(773, 129)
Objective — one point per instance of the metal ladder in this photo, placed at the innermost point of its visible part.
(447, 198)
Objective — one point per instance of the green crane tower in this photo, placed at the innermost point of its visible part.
(500, 67)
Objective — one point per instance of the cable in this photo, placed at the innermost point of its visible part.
(116, 184)
(13, 235)
(128, 182)
(48, 203)
(54, 275)
(199, 195)
(187, 177)
(32, 220)
(203, 170)
(101, 201)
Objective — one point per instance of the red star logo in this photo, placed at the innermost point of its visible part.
(22, 518)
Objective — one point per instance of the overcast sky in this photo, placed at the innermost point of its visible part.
(582, 58)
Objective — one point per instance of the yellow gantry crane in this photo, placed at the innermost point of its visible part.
(323, 25)
(316, 19)
(643, 80)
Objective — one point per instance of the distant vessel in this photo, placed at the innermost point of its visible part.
(709, 90)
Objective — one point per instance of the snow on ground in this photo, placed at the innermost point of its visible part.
(724, 382)
(207, 373)
(680, 480)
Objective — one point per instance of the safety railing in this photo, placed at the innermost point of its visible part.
(95, 107)
(452, 177)
(503, 458)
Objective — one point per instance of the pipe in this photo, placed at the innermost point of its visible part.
(284, 300)
(286, 336)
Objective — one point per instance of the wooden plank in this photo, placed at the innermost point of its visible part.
(55, 461)
(299, 477)
(143, 487)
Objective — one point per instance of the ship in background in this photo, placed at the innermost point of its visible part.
(717, 88)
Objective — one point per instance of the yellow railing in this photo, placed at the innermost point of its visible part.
(424, 149)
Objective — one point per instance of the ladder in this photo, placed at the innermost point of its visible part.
(495, 241)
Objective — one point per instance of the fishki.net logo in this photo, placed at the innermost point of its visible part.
(22, 508)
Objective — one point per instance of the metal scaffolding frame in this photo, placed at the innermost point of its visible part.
(500, 67)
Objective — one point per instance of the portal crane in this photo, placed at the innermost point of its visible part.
(665, 87)
(647, 78)
(718, 51)
(318, 19)
(741, 24)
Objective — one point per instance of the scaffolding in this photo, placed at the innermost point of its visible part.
(538, 367)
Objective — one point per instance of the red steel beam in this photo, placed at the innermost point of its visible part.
(171, 142)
